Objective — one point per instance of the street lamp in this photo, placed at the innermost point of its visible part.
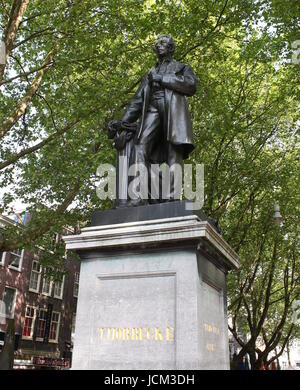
(277, 216)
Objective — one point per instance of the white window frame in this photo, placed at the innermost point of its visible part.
(39, 277)
(2, 260)
(32, 325)
(11, 315)
(57, 329)
(51, 285)
(73, 324)
(76, 283)
(62, 288)
(37, 318)
(21, 261)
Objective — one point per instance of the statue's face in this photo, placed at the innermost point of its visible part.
(162, 47)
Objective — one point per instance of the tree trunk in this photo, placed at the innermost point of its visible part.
(288, 353)
(252, 356)
(256, 364)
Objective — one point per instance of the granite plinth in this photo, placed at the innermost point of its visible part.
(145, 213)
(152, 295)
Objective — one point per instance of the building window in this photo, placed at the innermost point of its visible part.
(9, 300)
(76, 284)
(56, 240)
(35, 277)
(41, 325)
(16, 259)
(59, 288)
(47, 284)
(54, 326)
(29, 322)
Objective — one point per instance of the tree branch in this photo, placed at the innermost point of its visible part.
(24, 74)
(34, 35)
(210, 32)
(19, 111)
(38, 146)
(283, 346)
(16, 15)
(30, 234)
(268, 290)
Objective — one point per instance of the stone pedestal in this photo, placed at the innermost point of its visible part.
(152, 295)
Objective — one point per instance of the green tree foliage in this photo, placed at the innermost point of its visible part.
(71, 66)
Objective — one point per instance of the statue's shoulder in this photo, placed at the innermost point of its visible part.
(178, 63)
(178, 66)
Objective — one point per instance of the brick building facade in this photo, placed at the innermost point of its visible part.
(43, 309)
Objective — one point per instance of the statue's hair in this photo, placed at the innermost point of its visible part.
(171, 41)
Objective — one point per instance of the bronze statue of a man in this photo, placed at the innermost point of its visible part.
(165, 132)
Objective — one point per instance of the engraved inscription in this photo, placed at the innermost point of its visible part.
(211, 329)
(214, 331)
(137, 334)
(211, 347)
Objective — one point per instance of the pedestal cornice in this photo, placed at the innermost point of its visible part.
(147, 233)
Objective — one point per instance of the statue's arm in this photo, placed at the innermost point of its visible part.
(185, 83)
(135, 107)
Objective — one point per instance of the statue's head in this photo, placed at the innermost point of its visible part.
(165, 46)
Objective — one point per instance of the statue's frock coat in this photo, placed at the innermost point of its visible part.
(179, 81)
